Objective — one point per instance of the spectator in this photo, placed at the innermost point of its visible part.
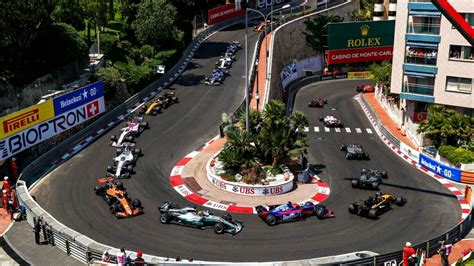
(6, 185)
(121, 256)
(14, 169)
(37, 230)
(106, 257)
(5, 199)
(139, 259)
(10, 208)
(443, 254)
(408, 251)
(22, 210)
(178, 258)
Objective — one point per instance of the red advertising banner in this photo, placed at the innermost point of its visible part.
(347, 56)
(222, 13)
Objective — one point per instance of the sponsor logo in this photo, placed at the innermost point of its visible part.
(78, 97)
(224, 12)
(337, 57)
(47, 129)
(364, 30)
(355, 43)
(268, 3)
(440, 169)
(28, 117)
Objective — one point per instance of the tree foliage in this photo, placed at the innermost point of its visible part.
(446, 126)
(316, 31)
(70, 12)
(271, 139)
(155, 24)
(381, 73)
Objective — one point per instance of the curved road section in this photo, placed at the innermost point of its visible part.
(67, 193)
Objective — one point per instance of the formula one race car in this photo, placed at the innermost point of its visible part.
(225, 62)
(331, 121)
(217, 77)
(260, 27)
(157, 105)
(190, 216)
(135, 126)
(365, 88)
(369, 179)
(355, 151)
(292, 212)
(233, 48)
(125, 161)
(376, 205)
(113, 192)
(317, 102)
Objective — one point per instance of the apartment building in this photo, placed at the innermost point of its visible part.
(432, 62)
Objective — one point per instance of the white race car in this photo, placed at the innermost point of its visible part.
(134, 127)
(331, 121)
(225, 62)
(124, 162)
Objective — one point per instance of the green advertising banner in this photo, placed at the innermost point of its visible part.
(360, 34)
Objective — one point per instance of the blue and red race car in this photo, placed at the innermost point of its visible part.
(292, 212)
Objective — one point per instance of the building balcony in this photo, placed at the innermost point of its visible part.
(418, 92)
(421, 5)
(421, 60)
(422, 70)
(423, 28)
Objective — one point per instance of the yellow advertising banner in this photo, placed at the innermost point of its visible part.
(359, 75)
(26, 118)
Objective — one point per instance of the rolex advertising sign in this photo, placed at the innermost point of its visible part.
(363, 41)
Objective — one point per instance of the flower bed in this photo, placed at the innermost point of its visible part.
(273, 184)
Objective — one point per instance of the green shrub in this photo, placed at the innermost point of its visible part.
(456, 155)
(108, 42)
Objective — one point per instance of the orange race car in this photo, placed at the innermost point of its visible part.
(117, 197)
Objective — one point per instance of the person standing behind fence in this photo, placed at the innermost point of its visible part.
(443, 253)
(407, 252)
(37, 230)
(121, 256)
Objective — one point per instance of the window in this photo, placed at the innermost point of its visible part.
(457, 84)
(461, 52)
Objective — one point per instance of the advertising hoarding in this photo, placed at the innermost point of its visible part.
(47, 129)
(362, 41)
(222, 13)
(298, 69)
(439, 168)
(26, 118)
(79, 97)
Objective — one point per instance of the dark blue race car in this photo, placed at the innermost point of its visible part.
(217, 77)
(292, 212)
(233, 48)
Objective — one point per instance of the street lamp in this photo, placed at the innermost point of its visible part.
(247, 81)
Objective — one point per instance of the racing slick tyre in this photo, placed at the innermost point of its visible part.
(348, 157)
(373, 214)
(113, 138)
(124, 175)
(325, 101)
(119, 184)
(137, 151)
(375, 185)
(144, 125)
(321, 118)
(110, 168)
(352, 209)
(320, 212)
(129, 168)
(366, 156)
(154, 112)
(109, 200)
(399, 201)
(129, 138)
(227, 217)
(219, 228)
(384, 174)
(165, 218)
(98, 190)
(136, 203)
(355, 183)
(271, 220)
(119, 151)
(343, 148)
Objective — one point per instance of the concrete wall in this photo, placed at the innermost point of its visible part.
(289, 43)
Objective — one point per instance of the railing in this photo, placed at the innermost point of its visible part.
(418, 89)
(423, 28)
(421, 60)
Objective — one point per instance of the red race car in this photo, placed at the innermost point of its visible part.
(365, 88)
(317, 102)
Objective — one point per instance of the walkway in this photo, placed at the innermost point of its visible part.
(261, 78)
(391, 126)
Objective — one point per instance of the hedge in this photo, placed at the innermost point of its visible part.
(456, 155)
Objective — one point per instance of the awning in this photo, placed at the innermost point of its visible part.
(422, 44)
(418, 74)
(424, 13)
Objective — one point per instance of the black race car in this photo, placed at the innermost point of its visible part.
(355, 151)
(331, 121)
(317, 102)
(376, 205)
(369, 179)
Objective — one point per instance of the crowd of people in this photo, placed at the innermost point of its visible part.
(428, 56)
(131, 259)
(457, 54)
(412, 257)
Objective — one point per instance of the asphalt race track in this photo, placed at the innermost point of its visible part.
(68, 192)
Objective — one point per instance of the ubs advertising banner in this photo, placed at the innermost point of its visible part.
(222, 13)
(70, 109)
(363, 41)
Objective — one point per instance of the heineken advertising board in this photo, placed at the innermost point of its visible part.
(362, 41)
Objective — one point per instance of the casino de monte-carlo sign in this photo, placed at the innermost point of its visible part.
(362, 41)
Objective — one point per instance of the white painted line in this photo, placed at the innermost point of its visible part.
(306, 129)
(316, 129)
(358, 130)
(338, 129)
(326, 129)
(348, 130)
(369, 130)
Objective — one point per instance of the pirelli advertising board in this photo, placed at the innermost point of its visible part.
(30, 126)
(363, 41)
